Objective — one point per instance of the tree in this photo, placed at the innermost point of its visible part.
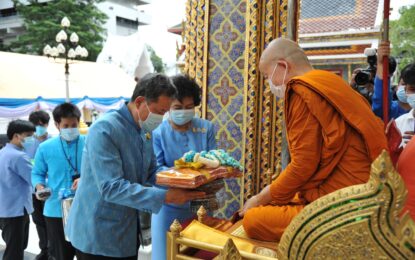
(402, 36)
(157, 62)
(42, 22)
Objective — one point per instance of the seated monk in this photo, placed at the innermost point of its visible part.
(332, 134)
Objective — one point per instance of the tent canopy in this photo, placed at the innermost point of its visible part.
(29, 77)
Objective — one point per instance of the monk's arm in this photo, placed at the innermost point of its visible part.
(304, 134)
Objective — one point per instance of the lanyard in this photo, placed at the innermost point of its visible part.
(67, 157)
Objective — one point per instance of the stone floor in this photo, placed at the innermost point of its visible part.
(33, 249)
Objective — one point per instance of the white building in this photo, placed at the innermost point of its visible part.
(123, 18)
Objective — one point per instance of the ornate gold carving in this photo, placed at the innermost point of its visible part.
(338, 222)
(251, 107)
(186, 37)
(201, 214)
(230, 252)
(200, 22)
(265, 149)
(176, 228)
(205, 58)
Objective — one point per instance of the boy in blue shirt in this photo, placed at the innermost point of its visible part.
(16, 189)
(41, 121)
(59, 159)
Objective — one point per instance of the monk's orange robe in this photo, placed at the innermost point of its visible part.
(333, 136)
(406, 168)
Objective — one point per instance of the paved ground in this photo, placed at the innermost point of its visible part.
(33, 247)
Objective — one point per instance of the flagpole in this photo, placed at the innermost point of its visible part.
(386, 80)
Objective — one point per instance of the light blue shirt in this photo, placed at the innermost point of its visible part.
(52, 169)
(170, 145)
(31, 151)
(15, 183)
(117, 161)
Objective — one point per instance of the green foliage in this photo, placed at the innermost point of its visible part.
(42, 22)
(157, 62)
(402, 36)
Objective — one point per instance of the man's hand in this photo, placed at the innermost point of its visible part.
(39, 187)
(407, 136)
(383, 50)
(42, 193)
(181, 196)
(75, 184)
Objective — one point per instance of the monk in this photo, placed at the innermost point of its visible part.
(332, 134)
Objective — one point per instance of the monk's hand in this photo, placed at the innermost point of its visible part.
(181, 196)
(253, 202)
(407, 136)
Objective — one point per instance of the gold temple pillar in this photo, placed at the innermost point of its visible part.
(224, 40)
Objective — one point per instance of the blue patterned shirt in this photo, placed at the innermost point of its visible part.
(118, 164)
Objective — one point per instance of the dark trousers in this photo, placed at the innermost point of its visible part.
(84, 256)
(40, 223)
(15, 232)
(59, 248)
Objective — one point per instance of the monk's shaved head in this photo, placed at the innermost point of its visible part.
(288, 55)
(284, 49)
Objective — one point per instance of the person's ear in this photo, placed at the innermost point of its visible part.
(139, 100)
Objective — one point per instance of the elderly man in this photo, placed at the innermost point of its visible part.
(117, 168)
(332, 134)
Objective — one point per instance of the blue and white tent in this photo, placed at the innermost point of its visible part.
(29, 82)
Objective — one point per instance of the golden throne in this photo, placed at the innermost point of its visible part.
(358, 222)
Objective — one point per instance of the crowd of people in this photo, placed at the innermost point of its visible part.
(333, 135)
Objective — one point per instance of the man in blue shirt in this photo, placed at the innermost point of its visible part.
(396, 108)
(41, 121)
(59, 159)
(118, 165)
(16, 189)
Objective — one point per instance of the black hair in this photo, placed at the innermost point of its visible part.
(19, 126)
(187, 87)
(154, 85)
(408, 74)
(66, 110)
(39, 117)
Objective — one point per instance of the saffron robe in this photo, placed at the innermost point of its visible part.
(333, 136)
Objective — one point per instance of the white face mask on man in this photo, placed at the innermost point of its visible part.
(279, 90)
(152, 122)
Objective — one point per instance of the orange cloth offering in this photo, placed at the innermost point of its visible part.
(333, 136)
(190, 178)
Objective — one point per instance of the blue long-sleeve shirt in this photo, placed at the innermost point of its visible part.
(52, 169)
(118, 161)
(169, 144)
(395, 110)
(15, 182)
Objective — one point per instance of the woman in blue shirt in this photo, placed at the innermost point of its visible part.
(180, 133)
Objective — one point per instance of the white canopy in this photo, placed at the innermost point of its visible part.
(29, 76)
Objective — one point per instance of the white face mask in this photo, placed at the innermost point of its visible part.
(279, 90)
(400, 93)
(411, 99)
(152, 121)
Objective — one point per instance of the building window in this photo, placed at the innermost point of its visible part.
(127, 23)
(8, 12)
